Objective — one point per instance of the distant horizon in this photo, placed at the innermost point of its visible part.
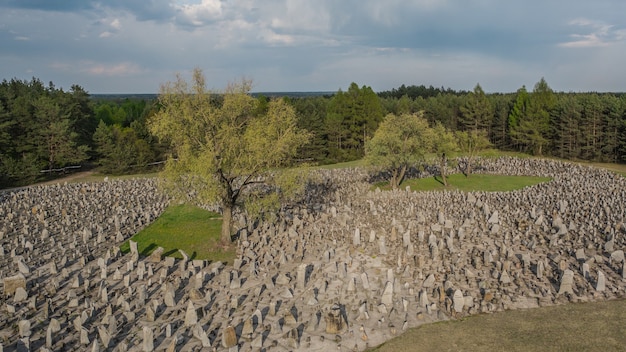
(330, 92)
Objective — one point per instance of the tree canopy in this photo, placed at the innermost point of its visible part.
(400, 142)
(222, 149)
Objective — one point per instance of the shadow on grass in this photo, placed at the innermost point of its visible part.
(171, 253)
(439, 179)
(149, 249)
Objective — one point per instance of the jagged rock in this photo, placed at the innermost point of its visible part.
(229, 337)
(14, 282)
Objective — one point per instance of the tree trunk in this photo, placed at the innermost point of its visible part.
(397, 176)
(227, 216)
(401, 175)
(443, 171)
(468, 169)
(394, 179)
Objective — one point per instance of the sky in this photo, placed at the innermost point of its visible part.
(135, 46)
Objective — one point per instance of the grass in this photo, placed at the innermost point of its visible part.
(618, 168)
(594, 326)
(190, 228)
(98, 177)
(475, 182)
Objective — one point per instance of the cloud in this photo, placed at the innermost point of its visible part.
(200, 14)
(598, 34)
(99, 68)
(313, 44)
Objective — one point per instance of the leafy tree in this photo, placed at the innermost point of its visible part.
(518, 113)
(591, 127)
(444, 146)
(445, 109)
(471, 143)
(400, 142)
(477, 112)
(311, 112)
(532, 120)
(58, 142)
(360, 111)
(613, 116)
(336, 135)
(499, 131)
(566, 136)
(121, 149)
(221, 151)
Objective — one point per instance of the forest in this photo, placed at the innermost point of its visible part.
(46, 131)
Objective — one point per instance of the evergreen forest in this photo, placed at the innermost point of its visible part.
(46, 131)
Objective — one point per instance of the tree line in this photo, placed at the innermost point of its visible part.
(45, 128)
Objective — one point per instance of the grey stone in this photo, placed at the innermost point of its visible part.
(387, 296)
(12, 283)
(24, 328)
(191, 316)
(148, 339)
(567, 281)
(459, 301)
(20, 295)
(229, 337)
(601, 283)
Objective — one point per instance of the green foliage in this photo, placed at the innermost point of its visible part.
(444, 146)
(41, 128)
(352, 118)
(400, 142)
(477, 112)
(471, 144)
(530, 118)
(311, 113)
(221, 151)
(121, 150)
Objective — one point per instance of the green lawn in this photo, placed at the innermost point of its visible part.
(192, 229)
(475, 182)
(580, 327)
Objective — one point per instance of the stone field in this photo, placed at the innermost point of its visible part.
(344, 270)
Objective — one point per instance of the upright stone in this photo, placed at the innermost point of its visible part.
(148, 339)
(387, 296)
(567, 282)
(156, 255)
(540, 269)
(601, 284)
(356, 240)
(382, 249)
(24, 328)
(365, 281)
(12, 283)
(229, 337)
(458, 301)
(334, 321)
(301, 275)
(133, 247)
(191, 317)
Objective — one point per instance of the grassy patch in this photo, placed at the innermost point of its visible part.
(475, 182)
(192, 229)
(569, 327)
(618, 168)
